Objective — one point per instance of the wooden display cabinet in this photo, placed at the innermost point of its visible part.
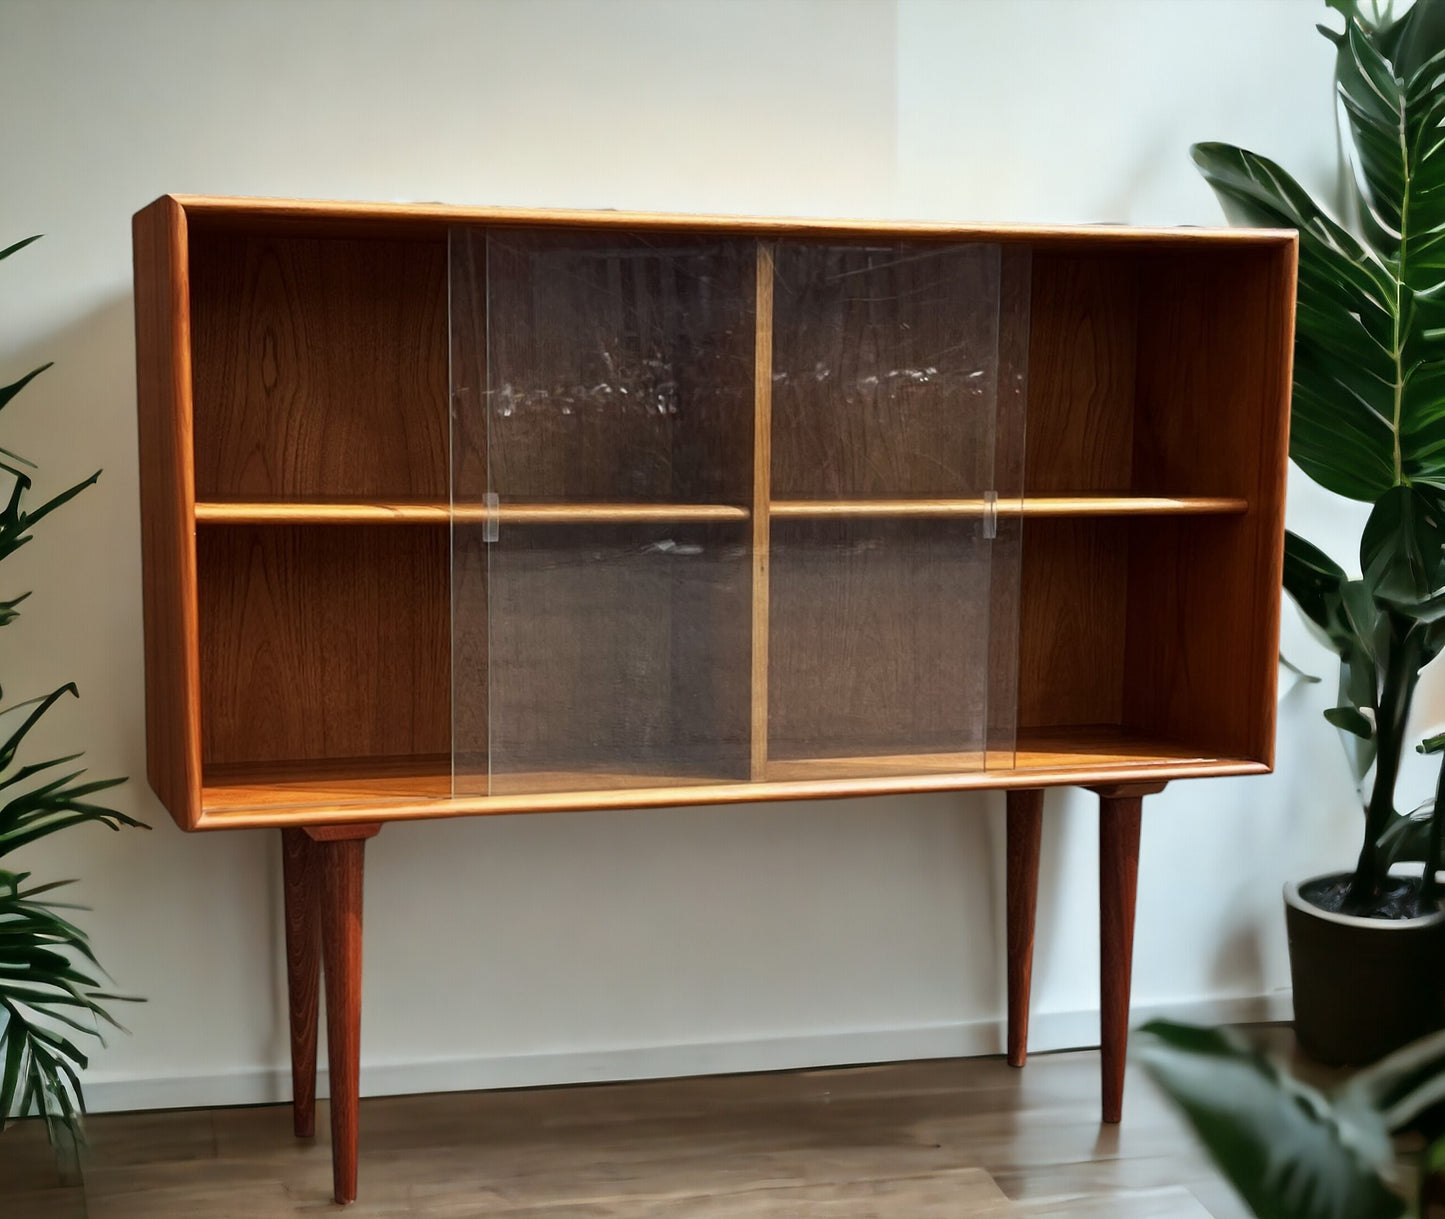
(456, 511)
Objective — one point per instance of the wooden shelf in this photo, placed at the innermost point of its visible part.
(440, 512)
(1029, 506)
(238, 796)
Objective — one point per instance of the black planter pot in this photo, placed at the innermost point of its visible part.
(1363, 986)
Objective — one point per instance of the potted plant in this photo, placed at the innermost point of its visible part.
(1297, 1152)
(1368, 422)
(48, 991)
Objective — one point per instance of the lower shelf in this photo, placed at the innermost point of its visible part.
(236, 797)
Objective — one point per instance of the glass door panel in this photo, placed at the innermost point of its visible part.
(890, 365)
(603, 403)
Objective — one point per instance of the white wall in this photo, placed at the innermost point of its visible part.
(544, 949)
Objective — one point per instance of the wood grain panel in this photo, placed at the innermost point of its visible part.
(1119, 823)
(885, 370)
(618, 368)
(222, 214)
(1214, 366)
(617, 649)
(301, 885)
(320, 367)
(341, 865)
(467, 335)
(762, 506)
(335, 793)
(1073, 609)
(1081, 376)
(168, 585)
(879, 638)
(323, 643)
(1025, 828)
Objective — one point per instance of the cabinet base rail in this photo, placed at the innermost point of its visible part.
(322, 882)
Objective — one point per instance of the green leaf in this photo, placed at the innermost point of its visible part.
(1349, 719)
(1290, 667)
(1290, 1151)
(1316, 583)
(1407, 838)
(9, 391)
(19, 245)
(1402, 547)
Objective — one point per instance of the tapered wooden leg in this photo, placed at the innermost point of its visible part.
(1120, 810)
(301, 880)
(342, 854)
(1025, 821)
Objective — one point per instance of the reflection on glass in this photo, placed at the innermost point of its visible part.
(722, 508)
(616, 371)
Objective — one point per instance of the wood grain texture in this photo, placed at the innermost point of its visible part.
(1215, 346)
(439, 512)
(301, 884)
(324, 643)
(420, 220)
(762, 507)
(879, 638)
(1042, 506)
(1082, 352)
(168, 585)
(618, 368)
(1119, 821)
(1073, 608)
(1025, 827)
(361, 790)
(342, 864)
(617, 648)
(885, 371)
(1081, 390)
(897, 1141)
(433, 512)
(320, 367)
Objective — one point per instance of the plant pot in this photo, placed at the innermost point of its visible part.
(1362, 986)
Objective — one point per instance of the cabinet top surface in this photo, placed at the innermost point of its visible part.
(215, 211)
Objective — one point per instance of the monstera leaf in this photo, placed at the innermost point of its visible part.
(1369, 393)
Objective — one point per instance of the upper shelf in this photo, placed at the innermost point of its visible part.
(438, 512)
(1028, 506)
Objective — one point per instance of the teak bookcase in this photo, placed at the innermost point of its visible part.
(454, 511)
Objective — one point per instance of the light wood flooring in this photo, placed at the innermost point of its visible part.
(953, 1139)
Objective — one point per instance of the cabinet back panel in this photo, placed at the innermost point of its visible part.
(885, 370)
(323, 642)
(1082, 347)
(1073, 606)
(616, 650)
(319, 367)
(617, 367)
(879, 638)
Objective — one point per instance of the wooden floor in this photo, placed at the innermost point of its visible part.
(920, 1140)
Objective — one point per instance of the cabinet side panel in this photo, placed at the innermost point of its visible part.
(167, 508)
(1216, 331)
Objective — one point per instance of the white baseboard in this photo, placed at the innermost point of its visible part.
(1047, 1031)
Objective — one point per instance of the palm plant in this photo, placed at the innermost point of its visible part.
(1368, 415)
(48, 988)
